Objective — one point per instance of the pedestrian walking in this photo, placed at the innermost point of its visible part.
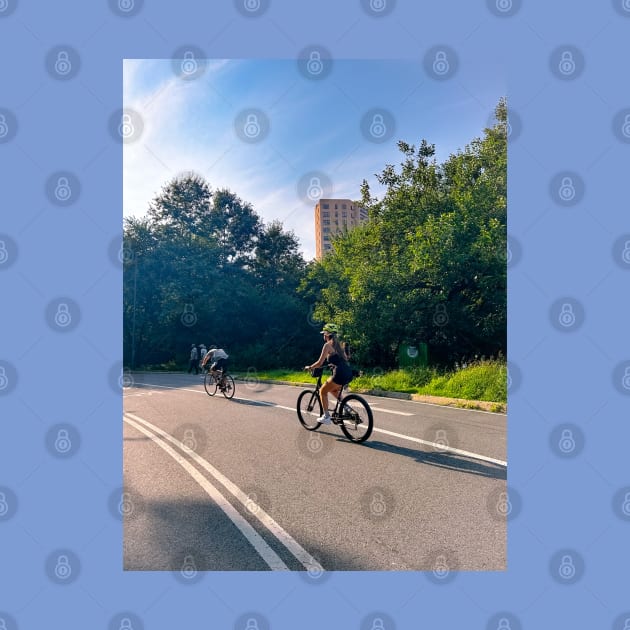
(194, 360)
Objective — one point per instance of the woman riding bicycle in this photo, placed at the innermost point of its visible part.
(341, 371)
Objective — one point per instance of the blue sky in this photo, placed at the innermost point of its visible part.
(314, 126)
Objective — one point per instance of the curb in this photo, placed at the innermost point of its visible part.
(460, 403)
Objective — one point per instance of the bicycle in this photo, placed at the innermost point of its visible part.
(352, 412)
(219, 380)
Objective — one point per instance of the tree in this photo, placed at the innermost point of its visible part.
(429, 265)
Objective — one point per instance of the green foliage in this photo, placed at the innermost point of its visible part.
(430, 263)
(208, 254)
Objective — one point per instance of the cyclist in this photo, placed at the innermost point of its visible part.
(219, 358)
(341, 372)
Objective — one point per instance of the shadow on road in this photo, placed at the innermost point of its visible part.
(449, 461)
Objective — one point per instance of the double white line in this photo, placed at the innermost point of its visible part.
(271, 558)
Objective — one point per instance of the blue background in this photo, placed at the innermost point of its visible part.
(561, 377)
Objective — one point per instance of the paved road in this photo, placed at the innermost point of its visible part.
(216, 484)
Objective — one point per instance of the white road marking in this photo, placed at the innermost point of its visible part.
(437, 446)
(272, 559)
(443, 449)
(305, 558)
(398, 413)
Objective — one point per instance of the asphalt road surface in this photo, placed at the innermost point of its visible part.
(215, 484)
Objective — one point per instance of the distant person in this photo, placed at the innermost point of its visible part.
(218, 359)
(194, 360)
(202, 354)
(341, 372)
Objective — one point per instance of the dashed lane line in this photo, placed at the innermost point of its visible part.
(436, 445)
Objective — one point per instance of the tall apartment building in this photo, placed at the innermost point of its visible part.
(333, 216)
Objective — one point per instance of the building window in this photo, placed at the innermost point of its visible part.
(325, 230)
(325, 206)
(335, 206)
(326, 221)
(344, 214)
(325, 214)
(343, 206)
(326, 237)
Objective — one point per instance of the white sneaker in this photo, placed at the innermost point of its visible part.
(325, 419)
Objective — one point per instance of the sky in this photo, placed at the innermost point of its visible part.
(277, 138)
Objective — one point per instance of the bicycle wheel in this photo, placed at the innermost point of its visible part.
(309, 408)
(210, 384)
(227, 387)
(357, 421)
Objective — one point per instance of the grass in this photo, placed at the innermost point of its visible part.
(483, 380)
